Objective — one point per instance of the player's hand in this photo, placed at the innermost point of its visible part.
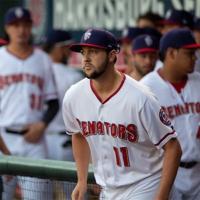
(79, 191)
(35, 132)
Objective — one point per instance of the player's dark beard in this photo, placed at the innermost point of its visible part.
(96, 74)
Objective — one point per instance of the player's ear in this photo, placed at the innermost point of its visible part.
(171, 53)
(112, 56)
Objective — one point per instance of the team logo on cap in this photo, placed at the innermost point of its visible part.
(18, 12)
(168, 14)
(125, 32)
(148, 41)
(87, 35)
(164, 118)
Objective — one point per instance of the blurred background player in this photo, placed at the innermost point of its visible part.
(127, 39)
(3, 148)
(196, 31)
(26, 86)
(128, 35)
(177, 89)
(177, 19)
(144, 55)
(56, 44)
(150, 20)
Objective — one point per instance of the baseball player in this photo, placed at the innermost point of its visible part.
(177, 19)
(56, 44)
(177, 89)
(134, 150)
(3, 148)
(27, 86)
(196, 32)
(144, 55)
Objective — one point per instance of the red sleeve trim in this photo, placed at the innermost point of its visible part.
(157, 144)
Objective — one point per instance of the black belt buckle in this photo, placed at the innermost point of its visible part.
(188, 165)
(16, 132)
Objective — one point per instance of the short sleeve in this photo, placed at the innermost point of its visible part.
(156, 123)
(71, 123)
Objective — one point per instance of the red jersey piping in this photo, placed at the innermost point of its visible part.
(113, 94)
(164, 138)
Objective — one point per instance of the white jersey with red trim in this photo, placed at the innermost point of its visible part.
(125, 133)
(182, 108)
(24, 86)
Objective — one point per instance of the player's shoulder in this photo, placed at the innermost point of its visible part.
(2, 51)
(140, 90)
(195, 76)
(150, 77)
(78, 88)
(40, 53)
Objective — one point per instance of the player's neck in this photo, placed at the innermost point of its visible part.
(107, 84)
(21, 51)
(170, 75)
(135, 75)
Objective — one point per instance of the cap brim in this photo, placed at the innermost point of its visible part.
(3, 42)
(65, 43)
(78, 47)
(18, 20)
(191, 46)
(145, 50)
(169, 22)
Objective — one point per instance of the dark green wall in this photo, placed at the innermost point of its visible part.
(4, 6)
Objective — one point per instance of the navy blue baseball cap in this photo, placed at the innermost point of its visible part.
(145, 43)
(98, 38)
(58, 36)
(197, 24)
(177, 38)
(17, 13)
(179, 17)
(130, 33)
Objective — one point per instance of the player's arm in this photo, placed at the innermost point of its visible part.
(3, 147)
(82, 158)
(36, 130)
(172, 155)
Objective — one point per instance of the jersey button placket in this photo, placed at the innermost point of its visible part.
(104, 143)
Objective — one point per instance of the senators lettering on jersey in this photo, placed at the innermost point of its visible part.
(10, 79)
(177, 110)
(128, 132)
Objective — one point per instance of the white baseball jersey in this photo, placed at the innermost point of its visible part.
(125, 133)
(182, 108)
(24, 86)
(65, 76)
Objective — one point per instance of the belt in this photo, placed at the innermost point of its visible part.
(16, 132)
(188, 165)
(62, 133)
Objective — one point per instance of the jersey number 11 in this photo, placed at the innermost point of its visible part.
(121, 154)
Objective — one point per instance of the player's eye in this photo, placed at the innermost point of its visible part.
(93, 51)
